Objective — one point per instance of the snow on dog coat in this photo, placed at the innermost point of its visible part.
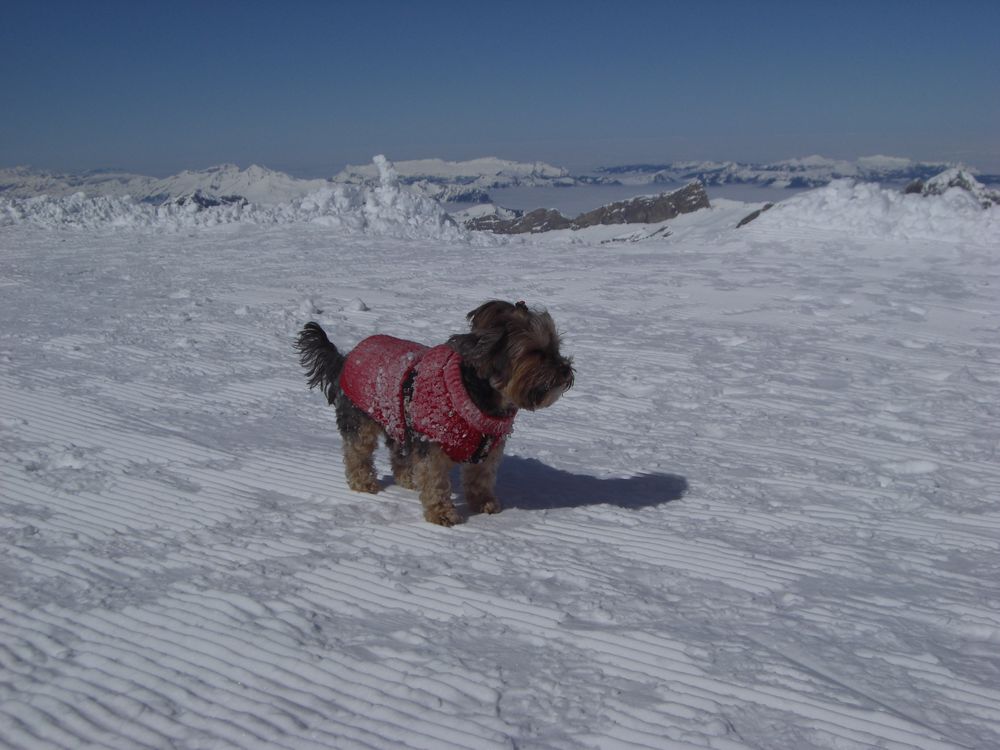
(377, 378)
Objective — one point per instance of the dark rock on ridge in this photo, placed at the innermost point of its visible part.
(647, 209)
(466, 195)
(539, 220)
(641, 210)
(751, 216)
(204, 200)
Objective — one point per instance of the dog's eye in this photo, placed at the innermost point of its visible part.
(537, 395)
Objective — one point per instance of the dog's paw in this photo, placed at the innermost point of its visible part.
(442, 515)
(369, 485)
(492, 505)
(484, 504)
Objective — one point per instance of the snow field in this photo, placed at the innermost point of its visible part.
(767, 516)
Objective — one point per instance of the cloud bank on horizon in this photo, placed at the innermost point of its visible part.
(308, 88)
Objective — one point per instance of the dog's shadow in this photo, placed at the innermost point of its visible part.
(529, 484)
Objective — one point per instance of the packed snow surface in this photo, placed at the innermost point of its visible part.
(767, 515)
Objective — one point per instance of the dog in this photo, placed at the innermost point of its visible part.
(439, 406)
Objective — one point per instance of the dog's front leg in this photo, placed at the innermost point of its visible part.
(360, 434)
(478, 481)
(430, 471)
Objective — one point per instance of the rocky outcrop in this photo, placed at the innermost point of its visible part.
(642, 210)
(539, 220)
(647, 209)
(203, 200)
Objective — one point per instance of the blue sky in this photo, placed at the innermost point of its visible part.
(156, 87)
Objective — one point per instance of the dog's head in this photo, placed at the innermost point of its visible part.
(516, 349)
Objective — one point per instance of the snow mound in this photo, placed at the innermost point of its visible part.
(867, 210)
(963, 180)
(385, 209)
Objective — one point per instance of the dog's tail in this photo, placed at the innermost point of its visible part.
(321, 359)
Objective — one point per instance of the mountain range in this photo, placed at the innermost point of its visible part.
(812, 171)
(466, 181)
(255, 184)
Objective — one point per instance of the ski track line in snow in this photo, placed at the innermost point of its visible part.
(184, 566)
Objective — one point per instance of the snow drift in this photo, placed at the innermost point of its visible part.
(386, 209)
(867, 210)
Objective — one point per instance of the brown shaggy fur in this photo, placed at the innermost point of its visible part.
(510, 360)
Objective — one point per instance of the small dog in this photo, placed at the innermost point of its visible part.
(439, 406)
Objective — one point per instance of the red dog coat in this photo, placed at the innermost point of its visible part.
(375, 378)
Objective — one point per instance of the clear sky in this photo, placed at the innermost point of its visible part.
(156, 87)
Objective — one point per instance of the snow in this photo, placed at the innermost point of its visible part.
(766, 516)
(817, 162)
(464, 181)
(883, 163)
(959, 181)
(864, 209)
(487, 171)
(809, 171)
(255, 183)
(385, 208)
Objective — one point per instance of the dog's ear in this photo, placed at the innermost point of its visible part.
(482, 348)
(479, 349)
(495, 314)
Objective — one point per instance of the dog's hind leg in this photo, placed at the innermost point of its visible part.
(430, 470)
(360, 434)
(401, 457)
(478, 481)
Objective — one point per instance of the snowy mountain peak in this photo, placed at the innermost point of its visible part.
(234, 171)
(486, 172)
(884, 163)
(962, 179)
(256, 183)
(812, 161)
(804, 172)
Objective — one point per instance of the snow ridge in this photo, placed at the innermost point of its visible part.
(486, 172)
(868, 210)
(255, 183)
(384, 209)
(809, 171)
(463, 181)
